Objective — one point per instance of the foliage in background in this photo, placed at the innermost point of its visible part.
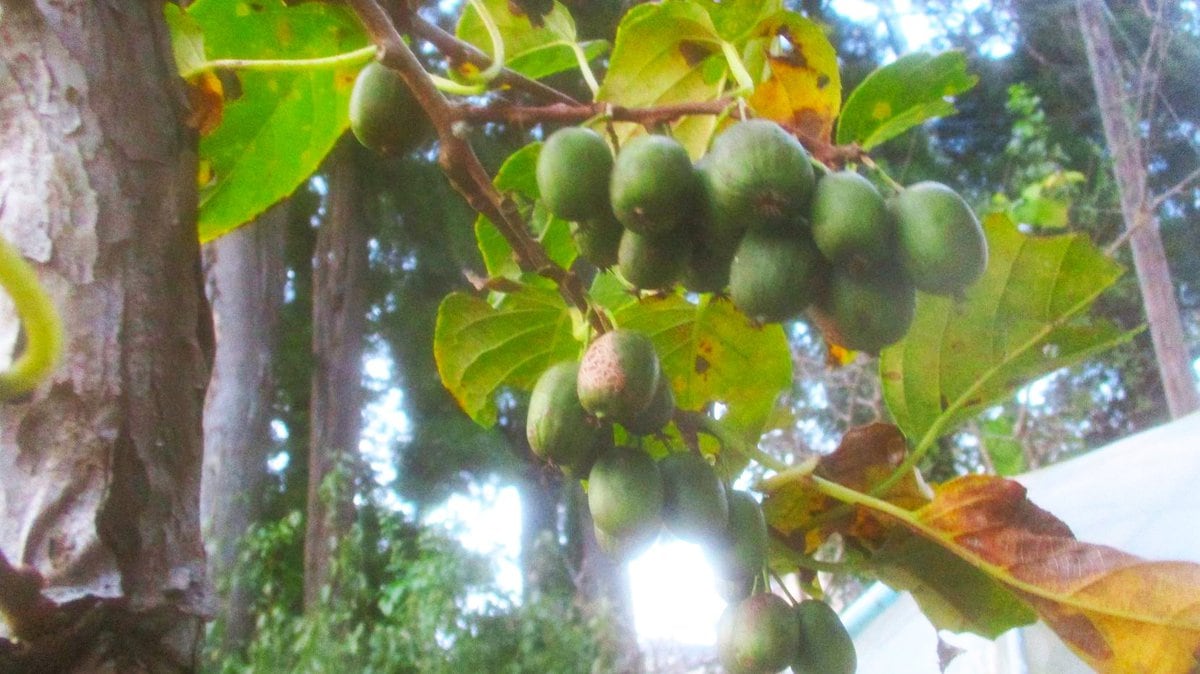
(412, 600)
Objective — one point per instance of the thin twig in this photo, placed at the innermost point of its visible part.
(501, 111)
(461, 165)
(1175, 189)
(459, 52)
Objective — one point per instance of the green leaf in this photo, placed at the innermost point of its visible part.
(284, 123)
(535, 52)
(518, 179)
(187, 39)
(1000, 442)
(736, 20)
(1023, 319)
(953, 594)
(713, 353)
(480, 348)
(901, 95)
(665, 53)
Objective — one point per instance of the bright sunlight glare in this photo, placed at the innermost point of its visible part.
(674, 594)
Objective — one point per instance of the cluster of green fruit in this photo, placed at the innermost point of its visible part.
(763, 634)
(632, 497)
(751, 216)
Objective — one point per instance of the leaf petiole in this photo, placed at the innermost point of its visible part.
(348, 59)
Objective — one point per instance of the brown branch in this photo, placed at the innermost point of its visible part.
(461, 165)
(501, 111)
(461, 52)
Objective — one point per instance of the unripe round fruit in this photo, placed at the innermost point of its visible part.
(384, 115)
(868, 312)
(649, 263)
(627, 544)
(760, 636)
(658, 413)
(825, 647)
(941, 244)
(755, 175)
(625, 492)
(598, 240)
(695, 507)
(850, 223)
(558, 428)
(774, 277)
(618, 375)
(706, 270)
(653, 185)
(743, 547)
(573, 170)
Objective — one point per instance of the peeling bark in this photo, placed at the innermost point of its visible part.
(100, 468)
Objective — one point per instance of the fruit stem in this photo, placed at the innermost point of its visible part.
(347, 59)
(731, 440)
(783, 586)
(870, 163)
(43, 328)
(457, 88)
(489, 23)
(737, 69)
(585, 68)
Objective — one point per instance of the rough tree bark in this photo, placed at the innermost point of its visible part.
(245, 276)
(339, 324)
(1145, 242)
(100, 467)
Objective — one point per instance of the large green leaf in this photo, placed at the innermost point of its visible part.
(518, 180)
(480, 348)
(952, 593)
(533, 51)
(713, 353)
(275, 134)
(665, 53)
(901, 95)
(737, 20)
(1024, 318)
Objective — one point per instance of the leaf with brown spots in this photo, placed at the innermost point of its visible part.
(1027, 316)
(1118, 612)
(800, 85)
(865, 457)
(712, 353)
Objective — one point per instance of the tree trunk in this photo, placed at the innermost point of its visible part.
(339, 324)
(245, 279)
(603, 584)
(100, 467)
(1145, 241)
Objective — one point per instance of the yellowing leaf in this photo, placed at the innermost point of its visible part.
(1120, 613)
(665, 53)
(866, 456)
(206, 102)
(802, 88)
(1027, 316)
